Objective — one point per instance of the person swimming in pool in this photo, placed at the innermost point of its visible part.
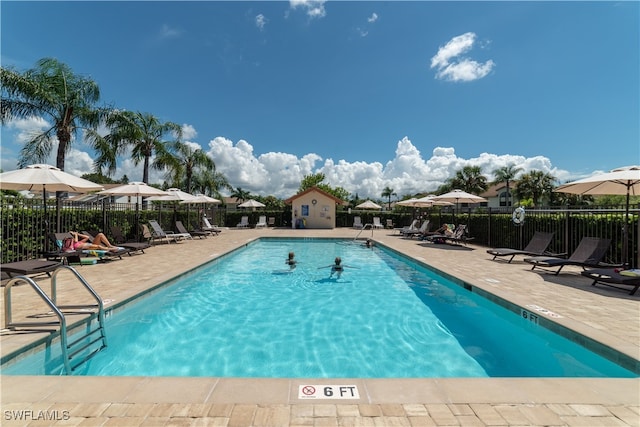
(337, 267)
(291, 262)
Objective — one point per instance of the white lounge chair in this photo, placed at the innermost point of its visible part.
(413, 226)
(357, 222)
(422, 230)
(244, 222)
(206, 226)
(262, 221)
(377, 223)
(159, 233)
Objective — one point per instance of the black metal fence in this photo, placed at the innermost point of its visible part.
(24, 225)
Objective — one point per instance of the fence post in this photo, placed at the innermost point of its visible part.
(489, 226)
(567, 233)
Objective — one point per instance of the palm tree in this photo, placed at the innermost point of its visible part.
(183, 160)
(535, 185)
(506, 174)
(210, 182)
(241, 195)
(388, 192)
(469, 179)
(52, 91)
(143, 132)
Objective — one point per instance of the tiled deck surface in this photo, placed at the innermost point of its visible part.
(606, 315)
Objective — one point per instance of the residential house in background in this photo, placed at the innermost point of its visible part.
(496, 196)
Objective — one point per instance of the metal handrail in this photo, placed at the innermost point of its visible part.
(364, 228)
(61, 319)
(57, 309)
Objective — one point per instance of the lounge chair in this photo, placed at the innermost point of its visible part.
(159, 232)
(458, 236)
(612, 278)
(79, 256)
(29, 267)
(152, 239)
(244, 222)
(377, 223)
(389, 224)
(262, 221)
(422, 230)
(208, 227)
(183, 230)
(357, 222)
(412, 226)
(120, 240)
(537, 246)
(589, 253)
(272, 221)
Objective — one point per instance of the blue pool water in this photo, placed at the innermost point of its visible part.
(247, 315)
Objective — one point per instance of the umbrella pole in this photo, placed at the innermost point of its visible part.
(46, 221)
(625, 235)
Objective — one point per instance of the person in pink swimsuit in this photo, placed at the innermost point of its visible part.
(100, 242)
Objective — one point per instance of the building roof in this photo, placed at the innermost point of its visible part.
(494, 190)
(317, 190)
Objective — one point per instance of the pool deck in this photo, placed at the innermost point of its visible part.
(608, 316)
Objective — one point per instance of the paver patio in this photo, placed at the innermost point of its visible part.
(608, 316)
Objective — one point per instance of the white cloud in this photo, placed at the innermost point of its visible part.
(261, 21)
(452, 66)
(313, 8)
(167, 32)
(408, 172)
(279, 174)
(188, 132)
(373, 18)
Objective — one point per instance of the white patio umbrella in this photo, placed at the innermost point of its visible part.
(459, 196)
(201, 199)
(137, 189)
(173, 195)
(251, 204)
(368, 205)
(620, 181)
(428, 201)
(412, 202)
(45, 178)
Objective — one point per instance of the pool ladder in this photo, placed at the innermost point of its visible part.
(365, 227)
(93, 334)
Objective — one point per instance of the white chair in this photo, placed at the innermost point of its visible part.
(262, 221)
(407, 228)
(357, 222)
(244, 222)
(377, 223)
(423, 229)
(159, 233)
(208, 227)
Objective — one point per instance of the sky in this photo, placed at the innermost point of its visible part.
(371, 94)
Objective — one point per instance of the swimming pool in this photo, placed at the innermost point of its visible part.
(247, 315)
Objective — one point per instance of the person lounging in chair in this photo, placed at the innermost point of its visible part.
(100, 242)
(440, 234)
